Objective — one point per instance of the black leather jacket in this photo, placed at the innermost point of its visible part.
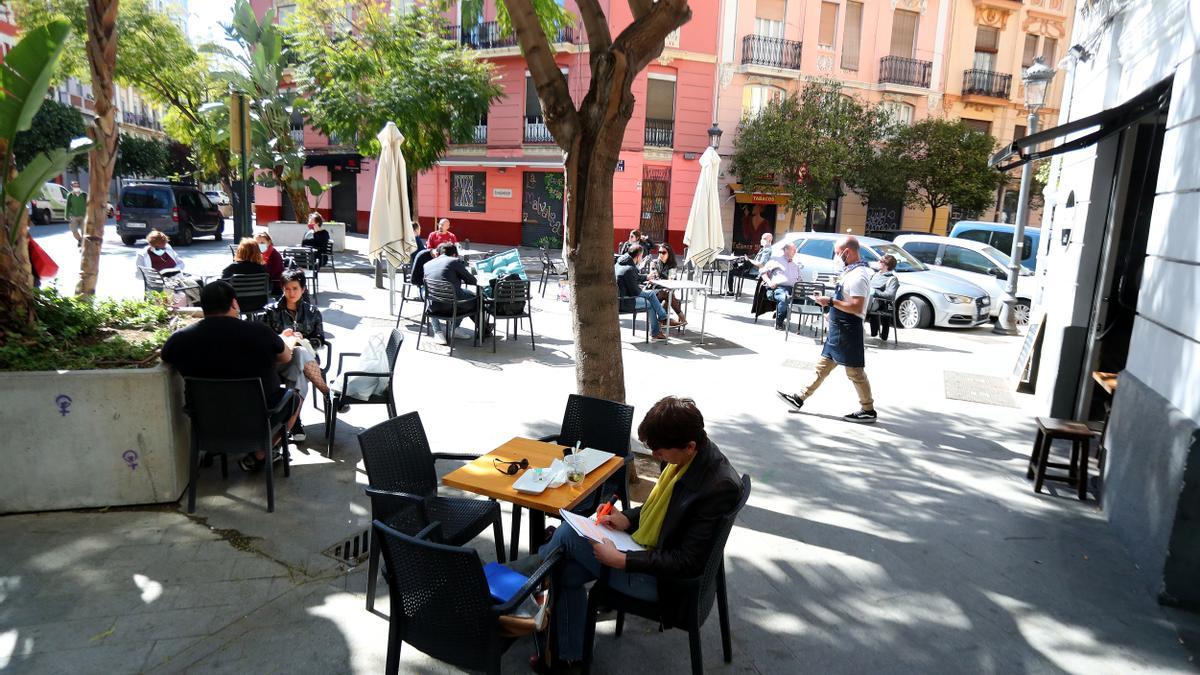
(307, 320)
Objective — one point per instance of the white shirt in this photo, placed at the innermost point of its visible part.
(143, 259)
(857, 284)
(782, 272)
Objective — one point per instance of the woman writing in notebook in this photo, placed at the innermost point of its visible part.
(676, 528)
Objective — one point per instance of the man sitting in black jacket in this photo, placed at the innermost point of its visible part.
(630, 293)
(447, 267)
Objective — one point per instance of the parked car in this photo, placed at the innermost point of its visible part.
(218, 197)
(50, 204)
(1000, 236)
(976, 262)
(178, 210)
(926, 297)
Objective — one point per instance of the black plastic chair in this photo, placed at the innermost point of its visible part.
(336, 400)
(699, 591)
(152, 281)
(445, 294)
(406, 288)
(886, 309)
(550, 268)
(253, 292)
(803, 304)
(403, 482)
(232, 415)
(506, 295)
(629, 306)
(306, 258)
(440, 603)
(762, 302)
(328, 251)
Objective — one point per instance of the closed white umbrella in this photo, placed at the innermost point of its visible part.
(704, 236)
(390, 233)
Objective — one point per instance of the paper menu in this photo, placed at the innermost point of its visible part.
(589, 528)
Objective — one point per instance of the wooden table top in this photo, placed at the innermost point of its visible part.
(481, 476)
(1107, 381)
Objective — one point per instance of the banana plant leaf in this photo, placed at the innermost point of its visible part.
(25, 76)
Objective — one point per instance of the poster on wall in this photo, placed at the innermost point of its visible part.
(542, 209)
(468, 191)
(750, 221)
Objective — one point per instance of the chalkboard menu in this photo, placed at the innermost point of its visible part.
(468, 191)
(542, 208)
(884, 215)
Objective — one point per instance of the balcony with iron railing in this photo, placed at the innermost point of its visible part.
(479, 137)
(536, 130)
(660, 133)
(758, 50)
(906, 71)
(987, 83)
(487, 35)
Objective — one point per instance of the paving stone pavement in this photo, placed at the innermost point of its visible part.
(914, 545)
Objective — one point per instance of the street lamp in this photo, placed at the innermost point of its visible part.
(714, 136)
(1036, 79)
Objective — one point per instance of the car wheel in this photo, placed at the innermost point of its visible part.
(217, 234)
(128, 240)
(39, 217)
(1021, 312)
(184, 238)
(914, 312)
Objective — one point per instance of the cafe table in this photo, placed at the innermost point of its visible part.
(482, 477)
(684, 286)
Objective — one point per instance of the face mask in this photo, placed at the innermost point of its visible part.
(262, 248)
(76, 190)
(839, 263)
(158, 251)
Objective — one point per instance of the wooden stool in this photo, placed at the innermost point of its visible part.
(1080, 435)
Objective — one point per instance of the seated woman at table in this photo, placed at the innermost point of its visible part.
(247, 259)
(677, 526)
(158, 255)
(271, 258)
(660, 267)
(317, 238)
(294, 316)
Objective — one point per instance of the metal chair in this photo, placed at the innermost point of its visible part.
(803, 304)
(406, 287)
(233, 415)
(550, 268)
(253, 292)
(507, 295)
(440, 602)
(328, 250)
(152, 281)
(445, 294)
(336, 400)
(307, 259)
(699, 593)
(629, 306)
(403, 487)
(886, 309)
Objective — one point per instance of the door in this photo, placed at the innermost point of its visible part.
(542, 209)
(656, 199)
(345, 199)
(974, 267)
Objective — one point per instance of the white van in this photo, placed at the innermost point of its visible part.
(50, 205)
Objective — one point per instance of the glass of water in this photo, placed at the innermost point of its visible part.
(575, 473)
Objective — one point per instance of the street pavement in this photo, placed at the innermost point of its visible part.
(913, 545)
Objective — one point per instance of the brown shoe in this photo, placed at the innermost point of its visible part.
(660, 336)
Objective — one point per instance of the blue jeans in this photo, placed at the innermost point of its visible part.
(578, 567)
(649, 301)
(782, 295)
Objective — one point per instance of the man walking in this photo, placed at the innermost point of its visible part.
(76, 211)
(844, 341)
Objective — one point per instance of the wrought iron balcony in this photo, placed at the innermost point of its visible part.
(986, 83)
(536, 130)
(480, 135)
(660, 133)
(901, 70)
(773, 52)
(487, 35)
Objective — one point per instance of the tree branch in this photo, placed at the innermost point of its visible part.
(599, 38)
(561, 116)
(640, 8)
(643, 39)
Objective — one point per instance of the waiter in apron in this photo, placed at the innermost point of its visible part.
(844, 342)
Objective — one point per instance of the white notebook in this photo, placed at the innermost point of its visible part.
(596, 532)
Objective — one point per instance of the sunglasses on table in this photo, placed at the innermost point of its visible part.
(510, 468)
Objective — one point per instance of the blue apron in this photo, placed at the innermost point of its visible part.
(844, 342)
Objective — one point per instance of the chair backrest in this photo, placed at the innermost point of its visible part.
(802, 291)
(440, 597)
(395, 341)
(253, 290)
(303, 257)
(441, 291)
(227, 414)
(152, 279)
(233, 249)
(597, 423)
(397, 456)
(511, 290)
(716, 556)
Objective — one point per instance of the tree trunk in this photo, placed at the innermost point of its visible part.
(102, 58)
(932, 218)
(16, 273)
(300, 207)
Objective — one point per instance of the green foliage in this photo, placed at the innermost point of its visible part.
(179, 160)
(804, 144)
(54, 126)
(387, 66)
(550, 14)
(77, 333)
(137, 156)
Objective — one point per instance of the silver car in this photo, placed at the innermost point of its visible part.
(927, 297)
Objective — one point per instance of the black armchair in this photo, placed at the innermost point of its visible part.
(440, 603)
(803, 304)
(336, 400)
(403, 489)
(445, 294)
(697, 593)
(253, 292)
(550, 268)
(507, 296)
(233, 415)
(628, 305)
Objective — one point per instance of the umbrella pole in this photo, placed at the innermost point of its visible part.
(391, 285)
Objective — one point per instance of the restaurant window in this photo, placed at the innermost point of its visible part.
(755, 97)
(827, 35)
(468, 191)
(987, 43)
(852, 35)
(904, 33)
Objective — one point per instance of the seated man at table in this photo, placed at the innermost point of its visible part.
(750, 268)
(222, 346)
(448, 267)
(630, 293)
(779, 276)
(677, 525)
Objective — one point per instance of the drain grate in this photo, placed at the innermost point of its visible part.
(353, 551)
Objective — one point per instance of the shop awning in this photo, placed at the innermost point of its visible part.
(741, 196)
(1105, 123)
(348, 161)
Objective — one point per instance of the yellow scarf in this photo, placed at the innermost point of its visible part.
(654, 511)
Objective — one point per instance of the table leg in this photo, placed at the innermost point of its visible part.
(703, 317)
(514, 537)
(537, 529)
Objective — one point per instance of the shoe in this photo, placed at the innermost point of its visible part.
(298, 434)
(344, 409)
(463, 334)
(660, 336)
(861, 417)
(792, 400)
(538, 665)
(249, 463)
(548, 534)
(779, 325)
(440, 338)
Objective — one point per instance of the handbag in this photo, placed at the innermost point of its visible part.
(43, 265)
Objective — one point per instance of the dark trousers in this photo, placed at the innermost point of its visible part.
(740, 268)
(880, 325)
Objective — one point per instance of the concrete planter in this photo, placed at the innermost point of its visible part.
(92, 438)
(291, 233)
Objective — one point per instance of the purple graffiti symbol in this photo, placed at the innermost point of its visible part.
(64, 404)
(131, 458)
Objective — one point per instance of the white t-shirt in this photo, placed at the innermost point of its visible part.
(857, 284)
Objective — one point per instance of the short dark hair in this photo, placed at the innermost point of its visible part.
(447, 248)
(673, 422)
(888, 261)
(635, 233)
(634, 251)
(295, 274)
(217, 297)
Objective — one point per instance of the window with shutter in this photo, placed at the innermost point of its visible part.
(852, 35)
(768, 28)
(1019, 131)
(827, 35)
(1031, 51)
(904, 33)
(1049, 50)
(982, 126)
(987, 41)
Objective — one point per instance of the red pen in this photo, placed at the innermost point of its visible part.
(607, 507)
